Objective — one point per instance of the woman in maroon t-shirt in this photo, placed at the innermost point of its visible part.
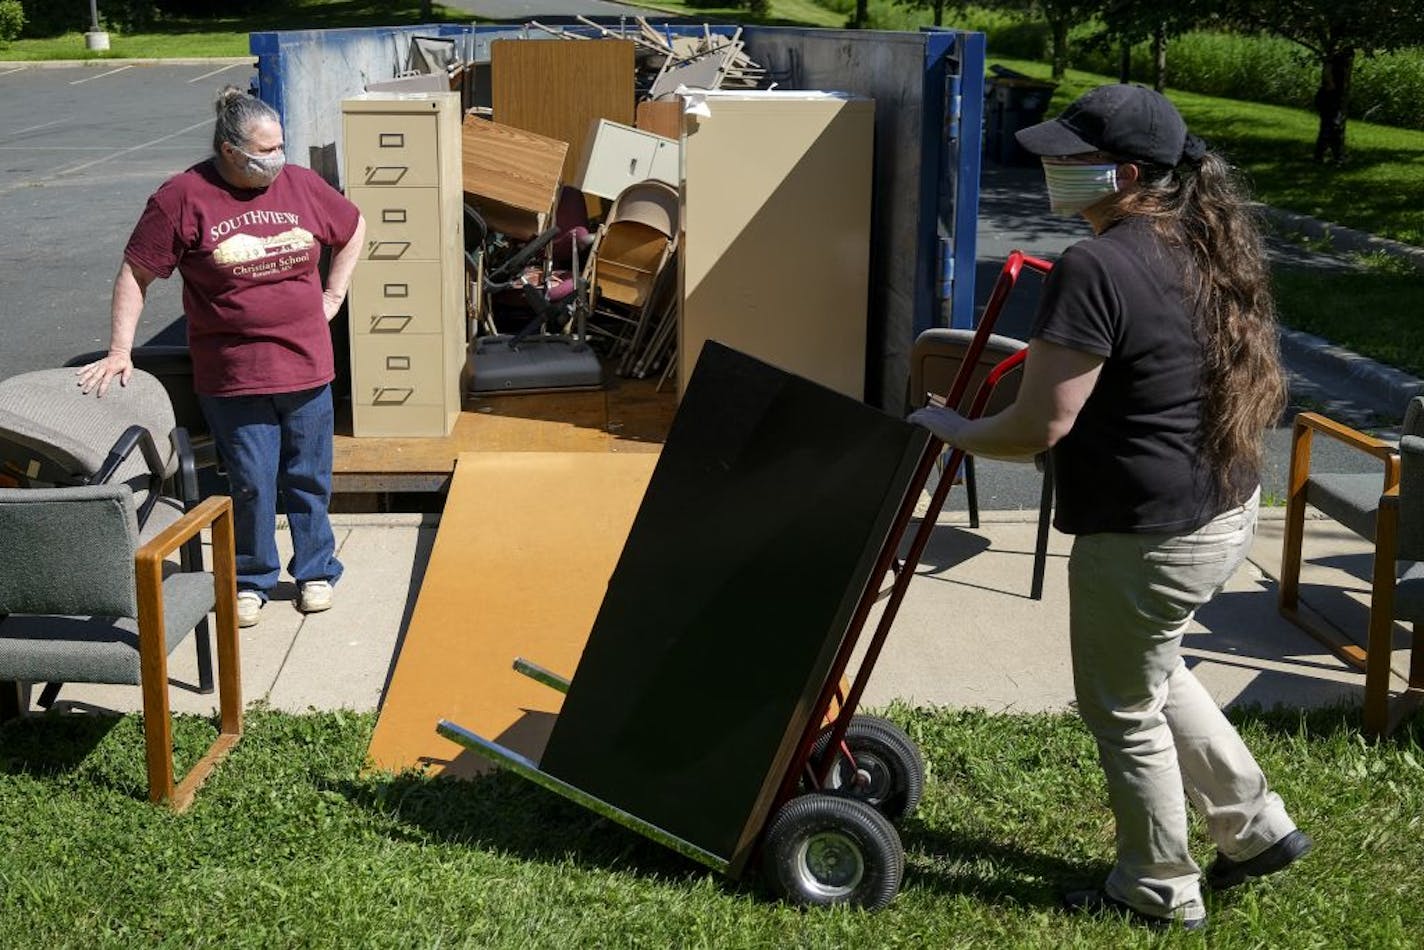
(246, 232)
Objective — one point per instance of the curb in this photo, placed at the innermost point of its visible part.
(1339, 237)
(1385, 385)
(96, 63)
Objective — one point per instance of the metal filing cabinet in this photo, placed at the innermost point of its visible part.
(402, 169)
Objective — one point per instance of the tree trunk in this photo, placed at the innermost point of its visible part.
(1159, 58)
(1124, 62)
(1060, 47)
(862, 14)
(1332, 101)
(426, 13)
(939, 12)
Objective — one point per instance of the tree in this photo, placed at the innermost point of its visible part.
(1336, 32)
(1129, 22)
(1060, 15)
(937, 6)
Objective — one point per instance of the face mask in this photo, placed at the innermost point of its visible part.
(1073, 187)
(264, 168)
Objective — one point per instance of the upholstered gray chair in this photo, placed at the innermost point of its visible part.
(84, 601)
(52, 435)
(1387, 510)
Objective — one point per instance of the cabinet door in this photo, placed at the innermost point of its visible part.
(384, 150)
(396, 297)
(399, 370)
(402, 224)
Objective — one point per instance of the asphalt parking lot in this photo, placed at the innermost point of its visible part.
(81, 149)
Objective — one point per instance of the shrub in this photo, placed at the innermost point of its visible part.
(54, 17)
(12, 20)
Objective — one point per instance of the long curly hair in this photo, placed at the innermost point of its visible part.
(1202, 207)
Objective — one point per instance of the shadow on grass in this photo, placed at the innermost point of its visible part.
(502, 813)
(51, 744)
(1022, 878)
(1339, 722)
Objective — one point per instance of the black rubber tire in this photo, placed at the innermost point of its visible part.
(891, 772)
(821, 850)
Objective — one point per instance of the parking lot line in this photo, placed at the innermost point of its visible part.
(36, 128)
(216, 71)
(17, 69)
(101, 75)
(70, 170)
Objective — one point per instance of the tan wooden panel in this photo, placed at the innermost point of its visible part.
(661, 118)
(559, 89)
(512, 166)
(521, 578)
(629, 416)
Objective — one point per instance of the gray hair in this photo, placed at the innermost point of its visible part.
(237, 113)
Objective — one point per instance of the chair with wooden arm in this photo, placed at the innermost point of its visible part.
(83, 600)
(1387, 510)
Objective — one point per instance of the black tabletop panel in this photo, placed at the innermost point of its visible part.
(751, 548)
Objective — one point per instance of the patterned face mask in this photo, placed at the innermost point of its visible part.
(264, 168)
(1073, 186)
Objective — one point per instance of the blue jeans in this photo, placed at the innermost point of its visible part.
(271, 444)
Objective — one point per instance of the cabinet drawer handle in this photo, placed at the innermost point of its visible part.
(393, 216)
(398, 362)
(392, 140)
(391, 395)
(385, 174)
(395, 290)
(391, 323)
(388, 250)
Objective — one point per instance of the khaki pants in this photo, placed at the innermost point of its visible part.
(1157, 728)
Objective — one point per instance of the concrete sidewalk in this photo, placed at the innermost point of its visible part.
(966, 635)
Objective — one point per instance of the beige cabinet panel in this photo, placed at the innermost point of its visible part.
(387, 150)
(402, 297)
(402, 224)
(401, 420)
(776, 246)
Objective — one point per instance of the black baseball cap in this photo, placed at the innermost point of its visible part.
(1126, 121)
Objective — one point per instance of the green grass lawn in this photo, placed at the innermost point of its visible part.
(288, 845)
(1379, 190)
(177, 37)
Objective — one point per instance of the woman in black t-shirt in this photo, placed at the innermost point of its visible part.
(1152, 373)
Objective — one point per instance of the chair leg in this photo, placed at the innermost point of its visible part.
(48, 695)
(1416, 658)
(1045, 518)
(14, 699)
(203, 640)
(971, 491)
(1289, 591)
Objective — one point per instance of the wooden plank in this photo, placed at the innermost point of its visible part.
(558, 89)
(518, 570)
(512, 175)
(661, 118)
(628, 416)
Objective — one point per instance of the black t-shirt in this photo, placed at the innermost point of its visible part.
(1131, 462)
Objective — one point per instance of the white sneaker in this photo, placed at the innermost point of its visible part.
(314, 596)
(249, 607)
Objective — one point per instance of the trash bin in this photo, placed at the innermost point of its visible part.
(1013, 101)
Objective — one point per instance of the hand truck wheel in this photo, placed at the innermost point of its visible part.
(889, 773)
(822, 850)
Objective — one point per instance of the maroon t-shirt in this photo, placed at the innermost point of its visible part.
(251, 288)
